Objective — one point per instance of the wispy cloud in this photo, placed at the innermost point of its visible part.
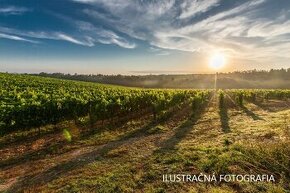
(16, 38)
(190, 8)
(244, 29)
(23, 35)
(101, 35)
(65, 37)
(97, 35)
(158, 51)
(12, 10)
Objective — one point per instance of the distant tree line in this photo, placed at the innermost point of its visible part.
(282, 73)
(274, 78)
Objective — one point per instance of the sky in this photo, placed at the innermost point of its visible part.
(142, 36)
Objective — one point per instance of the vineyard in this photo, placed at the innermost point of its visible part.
(28, 102)
(150, 131)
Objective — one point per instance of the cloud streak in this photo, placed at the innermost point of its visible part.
(12, 10)
(242, 29)
(90, 35)
(100, 35)
(97, 36)
(16, 38)
(190, 8)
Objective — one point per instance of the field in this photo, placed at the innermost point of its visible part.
(69, 136)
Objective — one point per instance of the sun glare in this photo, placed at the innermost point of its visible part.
(217, 61)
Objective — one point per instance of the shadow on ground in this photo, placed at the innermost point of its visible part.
(184, 129)
(251, 113)
(263, 106)
(83, 159)
(224, 118)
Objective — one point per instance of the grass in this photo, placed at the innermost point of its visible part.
(133, 157)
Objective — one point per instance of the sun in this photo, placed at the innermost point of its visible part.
(217, 60)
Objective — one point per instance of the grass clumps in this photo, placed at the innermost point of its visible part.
(157, 129)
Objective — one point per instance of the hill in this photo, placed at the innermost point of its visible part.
(272, 79)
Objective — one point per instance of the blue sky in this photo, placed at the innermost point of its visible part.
(135, 36)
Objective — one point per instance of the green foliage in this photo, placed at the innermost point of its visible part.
(29, 101)
(67, 135)
(240, 99)
(221, 99)
(254, 95)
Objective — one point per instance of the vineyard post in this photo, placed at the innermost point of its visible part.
(91, 119)
(215, 81)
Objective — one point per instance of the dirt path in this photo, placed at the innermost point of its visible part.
(141, 141)
(137, 149)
